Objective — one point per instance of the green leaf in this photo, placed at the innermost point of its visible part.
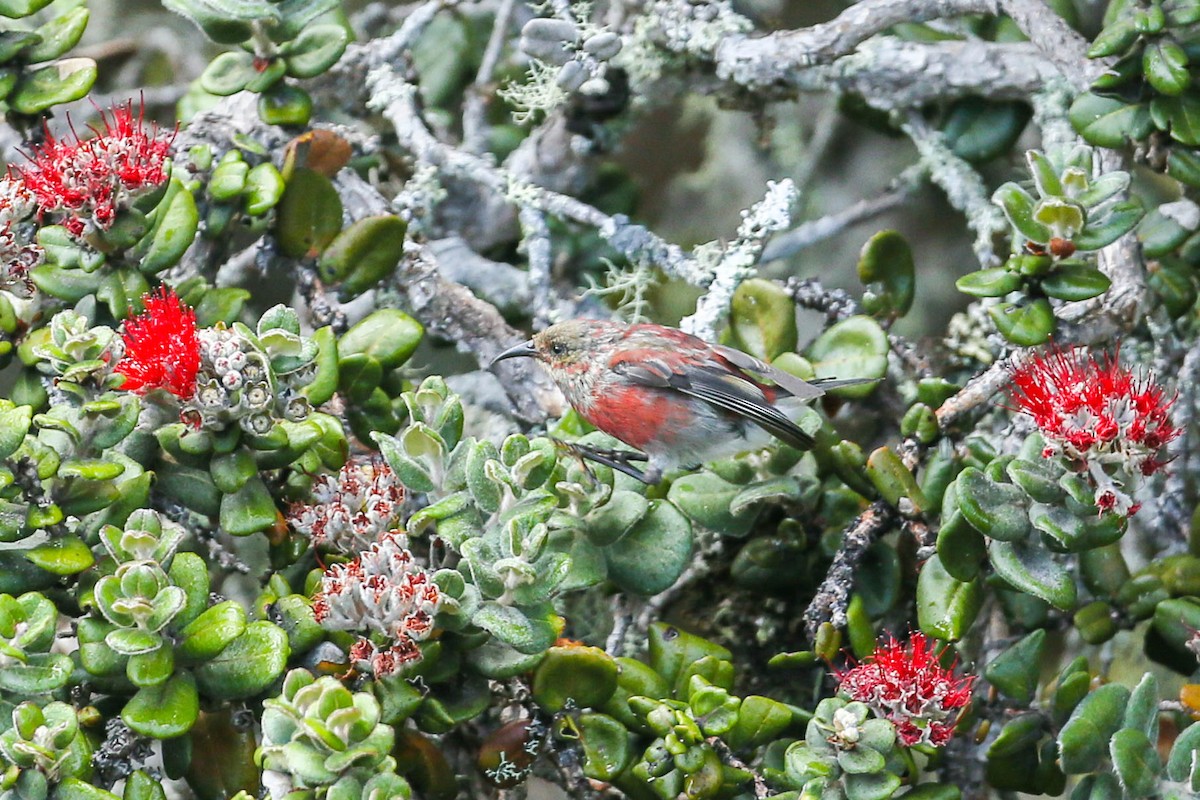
(388, 335)
(1020, 206)
(1083, 740)
(980, 130)
(760, 720)
(309, 214)
(249, 509)
(363, 254)
(672, 651)
(1075, 282)
(58, 35)
(1136, 762)
(16, 9)
(946, 607)
(1165, 65)
(1183, 764)
(856, 347)
(284, 104)
(1120, 220)
(1030, 568)
(886, 269)
(1020, 733)
(1142, 712)
(960, 547)
(248, 665)
(875, 786)
(763, 319)
(524, 633)
(211, 632)
(997, 510)
(655, 551)
(1109, 122)
(1027, 324)
(228, 73)
(991, 282)
(606, 746)
(1183, 165)
(586, 676)
(62, 82)
(316, 49)
(1115, 39)
(176, 220)
(164, 711)
(67, 555)
(893, 480)
(1015, 671)
(263, 188)
(14, 424)
(1180, 115)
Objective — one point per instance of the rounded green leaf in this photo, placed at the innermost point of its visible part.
(248, 510)
(316, 49)
(763, 319)
(888, 274)
(364, 254)
(284, 104)
(992, 282)
(1107, 121)
(606, 746)
(1030, 568)
(856, 347)
(997, 510)
(1027, 324)
(655, 551)
(1136, 762)
(228, 73)
(59, 35)
(211, 632)
(946, 607)
(1015, 671)
(388, 335)
(63, 82)
(1165, 65)
(309, 214)
(67, 555)
(586, 676)
(176, 220)
(263, 188)
(248, 665)
(164, 711)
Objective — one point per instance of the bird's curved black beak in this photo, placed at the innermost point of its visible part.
(522, 350)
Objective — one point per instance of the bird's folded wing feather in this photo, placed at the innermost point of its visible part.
(721, 388)
(796, 387)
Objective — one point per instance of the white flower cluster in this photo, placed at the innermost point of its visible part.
(384, 592)
(352, 511)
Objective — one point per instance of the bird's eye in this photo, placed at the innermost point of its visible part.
(558, 349)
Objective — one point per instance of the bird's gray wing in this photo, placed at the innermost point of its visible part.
(796, 387)
(721, 388)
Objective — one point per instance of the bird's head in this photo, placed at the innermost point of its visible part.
(569, 350)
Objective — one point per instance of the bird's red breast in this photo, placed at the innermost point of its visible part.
(637, 415)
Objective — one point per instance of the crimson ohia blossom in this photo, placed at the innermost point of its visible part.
(89, 180)
(1100, 415)
(906, 685)
(162, 347)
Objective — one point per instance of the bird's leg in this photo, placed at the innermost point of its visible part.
(616, 459)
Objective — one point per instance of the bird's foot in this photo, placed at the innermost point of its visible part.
(616, 459)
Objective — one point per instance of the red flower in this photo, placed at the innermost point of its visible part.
(1096, 412)
(162, 349)
(908, 686)
(86, 179)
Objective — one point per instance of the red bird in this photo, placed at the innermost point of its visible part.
(678, 399)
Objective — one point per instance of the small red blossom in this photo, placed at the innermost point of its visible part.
(1099, 414)
(162, 348)
(907, 686)
(87, 180)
